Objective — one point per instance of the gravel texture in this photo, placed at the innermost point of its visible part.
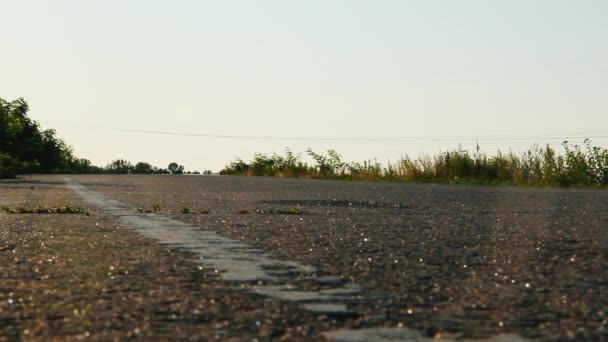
(71, 277)
(458, 261)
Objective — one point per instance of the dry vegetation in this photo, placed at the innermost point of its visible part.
(581, 166)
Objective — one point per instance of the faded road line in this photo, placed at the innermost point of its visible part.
(239, 263)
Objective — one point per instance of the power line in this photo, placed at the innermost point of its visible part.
(419, 139)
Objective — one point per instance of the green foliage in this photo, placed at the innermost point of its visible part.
(585, 166)
(123, 167)
(8, 166)
(588, 166)
(29, 148)
(143, 168)
(119, 166)
(270, 165)
(238, 167)
(83, 166)
(175, 169)
(26, 148)
(330, 165)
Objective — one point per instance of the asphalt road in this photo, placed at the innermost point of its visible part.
(451, 261)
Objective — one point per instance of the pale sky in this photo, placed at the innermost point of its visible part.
(418, 70)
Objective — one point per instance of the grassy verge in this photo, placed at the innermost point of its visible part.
(577, 166)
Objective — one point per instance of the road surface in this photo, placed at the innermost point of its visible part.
(237, 258)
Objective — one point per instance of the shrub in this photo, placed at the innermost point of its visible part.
(8, 166)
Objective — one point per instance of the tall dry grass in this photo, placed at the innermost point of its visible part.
(577, 165)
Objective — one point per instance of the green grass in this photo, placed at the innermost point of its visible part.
(576, 166)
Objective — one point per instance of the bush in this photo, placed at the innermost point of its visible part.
(8, 166)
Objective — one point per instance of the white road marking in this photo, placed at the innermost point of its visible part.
(238, 262)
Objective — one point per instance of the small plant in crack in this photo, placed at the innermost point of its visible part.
(155, 208)
(67, 209)
(280, 211)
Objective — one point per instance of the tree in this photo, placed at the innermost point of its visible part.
(27, 148)
(120, 166)
(83, 166)
(30, 148)
(143, 168)
(175, 169)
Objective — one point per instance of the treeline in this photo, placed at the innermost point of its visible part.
(121, 166)
(577, 165)
(27, 148)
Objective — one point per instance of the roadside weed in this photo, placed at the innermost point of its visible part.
(579, 165)
(279, 211)
(45, 210)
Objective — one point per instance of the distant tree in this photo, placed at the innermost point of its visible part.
(207, 172)
(26, 148)
(143, 168)
(119, 166)
(83, 166)
(80, 165)
(175, 169)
